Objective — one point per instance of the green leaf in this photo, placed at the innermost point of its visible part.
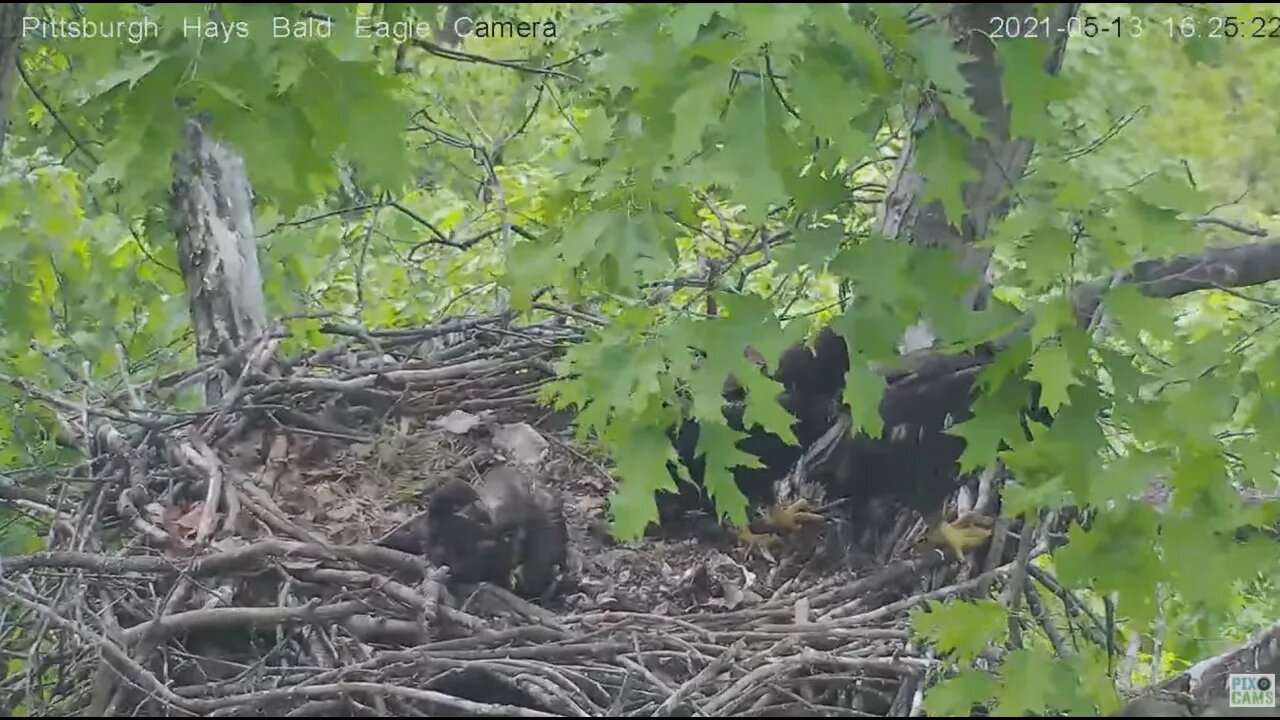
(1116, 554)
(956, 696)
(1029, 90)
(963, 628)
(1126, 380)
(812, 248)
(1171, 193)
(768, 24)
(719, 442)
(940, 60)
(690, 18)
(816, 81)
(995, 418)
(747, 126)
(864, 388)
(960, 109)
(579, 240)
(1204, 565)
(132, 69)
(641, 464)
(1050, 318)
(1029, 498)
(1125, 478)
(946, 170)
(1133, 314)
(1051, 366)
(878, 267)
(375, 141)
(595, 129)
(873, 329)
(858, 38)
(696, 110)
(1048, 256)
(1026, 683)
(1154, 230)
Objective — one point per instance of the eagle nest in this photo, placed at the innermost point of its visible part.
(227, 561)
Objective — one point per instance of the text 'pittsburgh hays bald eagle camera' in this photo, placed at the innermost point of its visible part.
(913, 463)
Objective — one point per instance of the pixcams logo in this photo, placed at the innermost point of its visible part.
(1252, 691)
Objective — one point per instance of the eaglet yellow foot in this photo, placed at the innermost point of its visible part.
(751, 539)
(789, 518)
(777, 521)
(969, 531)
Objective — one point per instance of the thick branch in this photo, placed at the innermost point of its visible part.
(1202, 689)
(1225, 267)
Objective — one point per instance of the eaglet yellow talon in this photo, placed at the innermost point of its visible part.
(792, 517)
(969, 531)
(746, 536)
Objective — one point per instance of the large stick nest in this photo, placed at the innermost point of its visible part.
(223, 562)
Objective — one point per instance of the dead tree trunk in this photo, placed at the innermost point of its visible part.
(11, 15)
(212, 216)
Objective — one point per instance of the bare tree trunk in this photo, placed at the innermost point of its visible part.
(999, 159)
(212, 215)
(11, 15)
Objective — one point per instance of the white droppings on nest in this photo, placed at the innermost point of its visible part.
(520, 443)
(458, 422)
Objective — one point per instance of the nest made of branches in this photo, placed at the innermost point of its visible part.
(224, 562)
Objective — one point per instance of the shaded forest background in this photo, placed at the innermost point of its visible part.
(874, 167)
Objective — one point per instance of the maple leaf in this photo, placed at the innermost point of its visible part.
(1051, 366)
(963, 628)
(956, 696)
(1026, 682)
(641, 466)
(946, 169)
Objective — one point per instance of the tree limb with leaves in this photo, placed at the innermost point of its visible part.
(638, 200)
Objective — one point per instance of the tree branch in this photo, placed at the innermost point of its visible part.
(1201, 690)
(1235, 266)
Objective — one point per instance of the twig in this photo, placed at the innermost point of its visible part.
(214, 618)
(1017, 579)
(1038, 611)
(118, 656)
(704, 676)
(343, 689)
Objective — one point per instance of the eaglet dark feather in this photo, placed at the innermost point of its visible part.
(812, 382)
(508, 529)
(913, 463)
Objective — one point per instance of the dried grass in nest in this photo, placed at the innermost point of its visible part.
(221, 564)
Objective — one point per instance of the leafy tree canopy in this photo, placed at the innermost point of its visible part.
(629, 164)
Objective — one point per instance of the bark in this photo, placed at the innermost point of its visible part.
(1201, 690)
(1237, 266)
(11, 15)
(1233, 267)
(999, 159)
(212, 215)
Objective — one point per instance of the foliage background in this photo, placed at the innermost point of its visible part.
(638, 161)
